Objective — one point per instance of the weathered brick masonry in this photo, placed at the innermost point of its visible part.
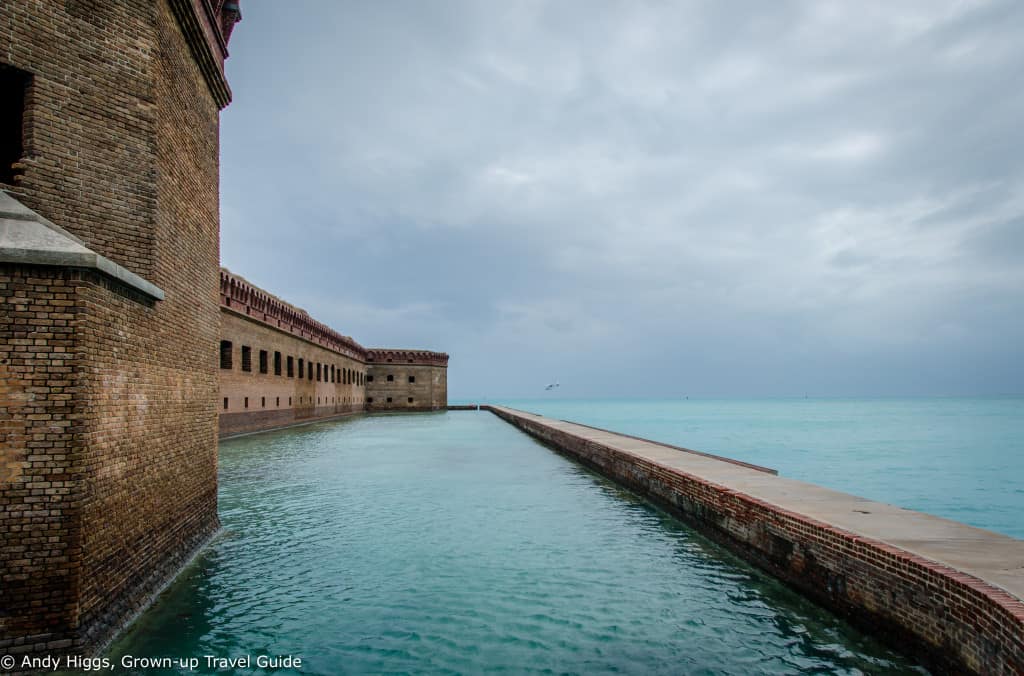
(108, 381)
(280, 367)
(411, 380)
(954, 621)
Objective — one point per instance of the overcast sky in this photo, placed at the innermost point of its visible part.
(642, 198)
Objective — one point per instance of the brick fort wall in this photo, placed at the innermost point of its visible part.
(108, 397)
(280, 367)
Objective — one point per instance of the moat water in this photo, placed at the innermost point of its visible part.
(453, 543)
(960, 458)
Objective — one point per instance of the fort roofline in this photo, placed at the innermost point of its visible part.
(383, 356)
(245, 298)
(207, 26)
(241, 296)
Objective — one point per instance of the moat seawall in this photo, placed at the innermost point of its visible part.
(949, 593)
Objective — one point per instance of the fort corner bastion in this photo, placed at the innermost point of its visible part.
(109, 250)
(111, 395)
(281, 367)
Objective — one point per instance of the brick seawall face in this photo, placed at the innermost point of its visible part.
(952, 620)
(280, 367)
(253, 400)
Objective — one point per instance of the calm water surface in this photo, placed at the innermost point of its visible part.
(452, 543)
(958, 458)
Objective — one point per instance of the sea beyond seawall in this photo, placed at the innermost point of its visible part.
(959, 458)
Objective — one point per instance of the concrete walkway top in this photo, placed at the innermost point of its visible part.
(991, 557)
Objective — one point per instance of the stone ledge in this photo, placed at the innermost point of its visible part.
(26, 238)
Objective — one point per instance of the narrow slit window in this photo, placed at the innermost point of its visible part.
(225, 403)
(225, 354)
(14, 86)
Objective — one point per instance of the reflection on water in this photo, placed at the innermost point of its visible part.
(453, 543)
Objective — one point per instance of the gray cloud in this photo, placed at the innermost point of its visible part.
(642, 198)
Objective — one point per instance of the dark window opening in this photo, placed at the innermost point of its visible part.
(289, 401)
(412, 379)
(14, 85)
(369, 400)
(302, 368)
(391, 378)
(389, 400)
(246, 358)
(264, 358)
(247, 402)
(277, 402)
(291, 366)
(263, 402)
(225, 403)
(369, 379)
(318, 370)
(225, 354)
(277, 363)
(309, 367)
(410, 400)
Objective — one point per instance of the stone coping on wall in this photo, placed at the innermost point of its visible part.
(952, 592)
(26, 238)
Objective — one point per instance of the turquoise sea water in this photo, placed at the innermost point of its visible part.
(452, 543)
(958, 458)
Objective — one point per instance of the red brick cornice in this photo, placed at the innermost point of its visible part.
(240, 296)
(207, 30)
(417, 357)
